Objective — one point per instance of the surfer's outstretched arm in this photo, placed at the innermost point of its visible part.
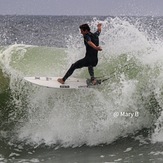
(99, 25)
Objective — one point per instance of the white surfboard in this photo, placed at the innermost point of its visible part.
(51, 82)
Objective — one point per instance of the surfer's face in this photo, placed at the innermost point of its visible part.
(83, 32)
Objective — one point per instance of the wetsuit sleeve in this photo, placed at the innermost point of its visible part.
(97, 33)
(87, 38)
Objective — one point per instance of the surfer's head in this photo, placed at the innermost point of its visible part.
(84, 28)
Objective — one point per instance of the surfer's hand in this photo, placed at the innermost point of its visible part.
(98, 48)
(99, 25)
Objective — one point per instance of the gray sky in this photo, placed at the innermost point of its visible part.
(82, 7)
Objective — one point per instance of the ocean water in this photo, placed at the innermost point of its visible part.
(119, 121)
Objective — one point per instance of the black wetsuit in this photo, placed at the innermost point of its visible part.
(91, 57)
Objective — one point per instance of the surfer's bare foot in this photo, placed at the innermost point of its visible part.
(94, 82)
(60, 81)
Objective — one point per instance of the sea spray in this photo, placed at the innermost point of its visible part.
(73, 118)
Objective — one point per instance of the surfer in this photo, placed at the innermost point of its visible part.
(90, 60)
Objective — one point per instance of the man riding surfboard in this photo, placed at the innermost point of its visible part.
(90, 60)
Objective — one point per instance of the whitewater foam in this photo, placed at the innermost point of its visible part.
(74, 118)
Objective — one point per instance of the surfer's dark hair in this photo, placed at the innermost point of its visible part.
(84, 27)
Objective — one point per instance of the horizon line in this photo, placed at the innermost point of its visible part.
(82, 15)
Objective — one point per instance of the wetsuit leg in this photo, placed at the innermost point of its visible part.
(91, 72)
(79, 64)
